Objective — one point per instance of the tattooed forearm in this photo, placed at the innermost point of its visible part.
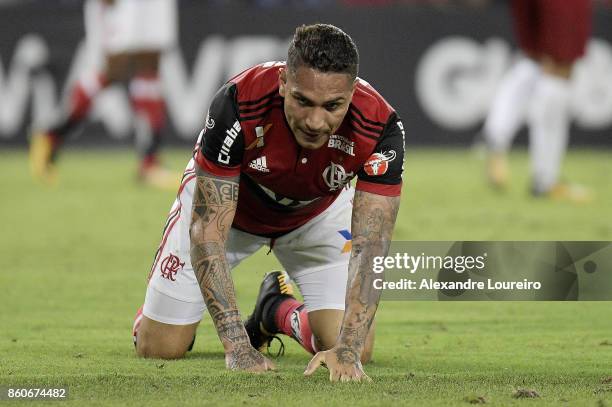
(230, 327)
(372, 226)
(214, 205)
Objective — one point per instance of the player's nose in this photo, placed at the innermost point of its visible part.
(315, 121)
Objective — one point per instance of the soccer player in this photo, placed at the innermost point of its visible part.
(126, 37)
(552, 36)
(272, 166)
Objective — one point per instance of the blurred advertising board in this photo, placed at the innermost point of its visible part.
(438, 66)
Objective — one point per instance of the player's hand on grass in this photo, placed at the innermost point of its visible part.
(247, 358)
(342, 362)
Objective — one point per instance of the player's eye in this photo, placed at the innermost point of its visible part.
(302, 101)
(332, 106)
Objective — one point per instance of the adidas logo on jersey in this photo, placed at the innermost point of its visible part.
(259, 164)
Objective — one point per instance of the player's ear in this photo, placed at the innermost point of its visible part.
(353, 87)
(282, 81)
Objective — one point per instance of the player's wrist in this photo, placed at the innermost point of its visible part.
(231, 332)
(233, 348)
(237, 345)
(350, 344)
(346, 353)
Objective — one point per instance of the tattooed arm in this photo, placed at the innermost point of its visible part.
(214, 206)
(372, 226)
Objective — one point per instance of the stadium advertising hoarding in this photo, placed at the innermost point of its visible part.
(438, 67)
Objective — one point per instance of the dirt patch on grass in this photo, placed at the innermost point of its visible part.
(475, 399)
(525, 394)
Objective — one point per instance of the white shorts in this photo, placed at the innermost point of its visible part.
(315, 256)
(131, 25)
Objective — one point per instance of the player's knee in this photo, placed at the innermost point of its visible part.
(325, 340)
(152, 352)
(148, 347)
(366, 355)
(163, 341)
(368, 349)
(325, 325)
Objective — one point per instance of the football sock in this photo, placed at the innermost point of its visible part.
(137, 321)
(81, 96)
(149, 110)
(548, 130)
(509, 105)
(287, 315)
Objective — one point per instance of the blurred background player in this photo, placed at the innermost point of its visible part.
(552, 35)
(127, 39)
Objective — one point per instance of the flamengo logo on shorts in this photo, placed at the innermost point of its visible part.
(170, 265)
(335, 176)
(378, 163)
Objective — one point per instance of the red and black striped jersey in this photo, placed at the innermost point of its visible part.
(282, 185)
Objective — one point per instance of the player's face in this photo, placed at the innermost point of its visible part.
(315, 103)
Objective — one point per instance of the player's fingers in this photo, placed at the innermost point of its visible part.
(359, 374)
(366, 378)
(360, 377)
(334, 376)
(345, 378)
(314, 363)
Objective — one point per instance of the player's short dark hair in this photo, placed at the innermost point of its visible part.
(325, 48)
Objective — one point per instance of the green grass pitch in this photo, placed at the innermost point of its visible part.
(75, 257)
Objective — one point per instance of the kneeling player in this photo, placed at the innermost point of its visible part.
(272, 167)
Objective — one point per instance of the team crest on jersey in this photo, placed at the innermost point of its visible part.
(336, 177)
(378, 163)
(171, 265)
(341, 143)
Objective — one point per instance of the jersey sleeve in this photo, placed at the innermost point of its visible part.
(382, 172)
(221, 143)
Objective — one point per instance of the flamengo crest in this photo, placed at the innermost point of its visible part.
(170, 265)
(335, 176)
